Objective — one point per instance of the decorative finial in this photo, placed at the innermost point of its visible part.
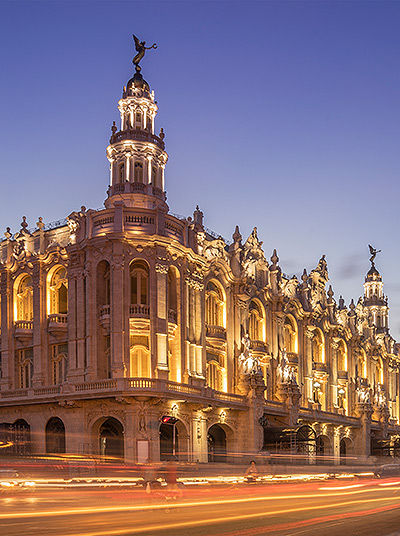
(8, 234)
(24, 225)
(40, 224)
(330, 294)
(162, 134)
(274, 260)
(373, 252)
(237, 237)
(352, 308)
(114, 128)
(141, 48)
(304, 276)
(341, 302)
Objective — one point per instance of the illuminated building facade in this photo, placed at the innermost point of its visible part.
(130, 331)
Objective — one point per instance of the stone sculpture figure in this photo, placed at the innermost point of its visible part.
(141, 48)
(373, 252)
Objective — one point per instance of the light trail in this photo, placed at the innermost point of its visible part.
(227, 519)
(160, 506)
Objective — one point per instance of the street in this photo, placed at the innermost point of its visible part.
(332, 507)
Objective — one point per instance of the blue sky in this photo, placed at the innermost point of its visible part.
(280, 115)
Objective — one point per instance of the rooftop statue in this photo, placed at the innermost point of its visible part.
(141, 48)
(373, 252)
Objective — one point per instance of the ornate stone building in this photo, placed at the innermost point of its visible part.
(130, 331)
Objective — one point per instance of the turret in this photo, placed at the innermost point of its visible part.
(136, 154)
(374, 298)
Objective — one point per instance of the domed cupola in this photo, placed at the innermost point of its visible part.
(136, 154)
(374, 298)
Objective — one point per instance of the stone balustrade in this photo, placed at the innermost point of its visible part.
(217, 332)
(139, 311)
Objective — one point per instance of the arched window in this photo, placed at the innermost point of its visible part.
(290, 335)
(139, 272)
(172, 296)
(154, 175)
(58, 291)
(215, 305)
(121, 172)
(103, 283)
(149, 123)
(25, 368)
(362, 364)
(379, 372)
(138, 176)
(342, 356)
(138, 119)
(214, 375)
(256, 322)
(59, 361)
(140, 362)
(24, 299)
(318, 347)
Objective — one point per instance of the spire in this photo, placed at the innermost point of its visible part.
(136, 154)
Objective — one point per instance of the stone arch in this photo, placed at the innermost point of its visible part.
(345, 449)
(23, 297)
(342, 356)
(257, 323)
(21, 433)
(219, 442)
(139, 271)
(108, 438)
(361, 366)
(174, 322)
(57, 290)
(306, 440)
(174, 440)
(318, 346)
(323, 447)
(55, 436)
(215, 303)
(290, 334)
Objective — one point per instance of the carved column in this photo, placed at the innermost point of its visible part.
(118, 358)
(198, 287)
(162, 320)
(40, 350)
(91, 323)
(7, 375)
(72, 324)
(333, 379)
(308, 371)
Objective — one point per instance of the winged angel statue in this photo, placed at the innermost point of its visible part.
(141, 48)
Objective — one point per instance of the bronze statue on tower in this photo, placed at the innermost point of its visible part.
(141, 48)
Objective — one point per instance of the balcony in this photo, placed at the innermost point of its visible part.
(128, 387)
(320, 367)
(343, 375)
(104, 316)
(23, 329)
(259, 347)
(293, 358)
(216, 332)
(139, 311)
(172, 317)
(57, 323)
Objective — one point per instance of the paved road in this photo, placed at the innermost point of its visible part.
(357, 507)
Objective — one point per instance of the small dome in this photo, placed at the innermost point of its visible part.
(373, 274)
(137, 82)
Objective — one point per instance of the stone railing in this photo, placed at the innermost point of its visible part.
(217, 332)
(104, 310)
(137, 135)
(342, 374)
(321, 367)
(293, 358)
(172, 316)
(259, 346)
(139, 311)
(128, 386)
(23, 324)
(59, 318)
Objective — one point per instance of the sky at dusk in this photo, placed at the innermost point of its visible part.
(280, 115)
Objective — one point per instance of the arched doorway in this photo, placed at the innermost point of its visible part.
(216, 439)
(111, 438)
(173, 440)
(55, 436)
(345, 450)
(323, 449)
(306, 441)
(22, 437)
